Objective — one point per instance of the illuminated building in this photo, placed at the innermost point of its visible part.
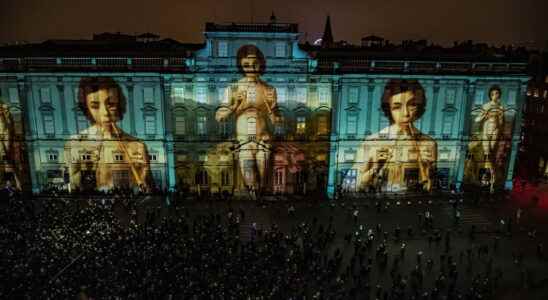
(326, 103)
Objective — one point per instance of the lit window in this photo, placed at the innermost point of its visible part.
(279, 126)
(178, 94)
(301, 125)
(447, 124)
(223, 95)
(280, 49)
(479, 97)
(201, 125)
(349, 155)
(279, 177)
(301, 95)
(324, 96)
(150, 124)
(450, 95)
(282, 95)
(45, 96)
(352, 124)
(180, 125)
(14, 95)
(52, 156)
(201, 94)
(148, 95)
(49, 123)
(222, 50)
(353, 95)
(322, 125)
(413, 155)
(225, 177)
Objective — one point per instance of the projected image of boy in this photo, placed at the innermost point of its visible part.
(253, 104)
(10, 153)
(103, 156)
(400, 157)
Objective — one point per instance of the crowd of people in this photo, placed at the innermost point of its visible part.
(61, 248)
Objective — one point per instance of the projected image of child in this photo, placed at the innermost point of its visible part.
(10, 151)
(253, 104)
(400, 157)
(103, 156)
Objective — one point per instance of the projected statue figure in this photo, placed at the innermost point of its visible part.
(400, 157)
(253, 105)
(491, 118)
(103, 156)
(10, 155)
(491, 121)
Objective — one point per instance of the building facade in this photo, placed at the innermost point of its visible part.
(251, 109)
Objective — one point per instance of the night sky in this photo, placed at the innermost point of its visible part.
(441, 21)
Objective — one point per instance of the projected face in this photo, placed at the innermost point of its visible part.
(494, 95)
(250, 65)
(103, 106)
(403, 108)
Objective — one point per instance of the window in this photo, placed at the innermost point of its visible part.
(444, 154)
(279, 126)
(447, 124)
(201, 125)
(49, 123)
(202, 157)
(223, 94)
(279, 177)
(153, 157)
(479, 97)
(324, 94)
(512, 97)
(222, 49)
(52, 156)
(178, 94)
(82, 122)
(301, 125)
(353, 95)
(301, 95)
(413, 155)
(224, 129)
(251, 126)
(282, 95)
(150, 124)
(352, 124)
(349, 155)
(280, 49)
(201, 94)
(180, 125)
(86, 157)
(118, 157)
(148, 95)
(322, 125)
(120, 178)
(45, 96)
(225, 177)
(450, 95)
(14, 95)
(201, 177)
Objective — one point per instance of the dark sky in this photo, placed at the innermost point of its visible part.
(441, 21)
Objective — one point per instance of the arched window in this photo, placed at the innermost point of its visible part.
(201, 177)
